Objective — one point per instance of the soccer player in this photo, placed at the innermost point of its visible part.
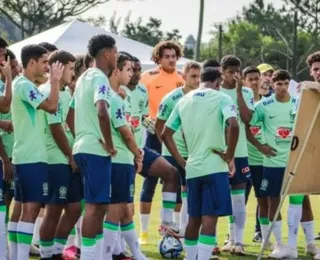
(265, 88)
(206, 171)
(3, 49)
(243, 99)
(275, 114)
(159, 82)
(64, 178)
(212, 63)
(93, 145)
(29, 151)
(191, 76)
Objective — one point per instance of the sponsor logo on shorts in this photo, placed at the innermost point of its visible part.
(264, 184)
(245, 170)
(62, 192)
(45, 189)
(131, 190)
(12, 185)
(1, 195)
(110, 192)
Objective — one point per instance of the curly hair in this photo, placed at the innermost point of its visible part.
(161, 46)
(312, 58)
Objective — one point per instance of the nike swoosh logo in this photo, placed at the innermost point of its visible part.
(158, 86)
(271, 117)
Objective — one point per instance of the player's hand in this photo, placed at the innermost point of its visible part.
(182, 162)
(238, 79)
(139, 155)
(138, 165)
(308, 85)
(73, 165)
(267, 150)
(110, 150)
(6, 69)
(6, 125)
(232, 168)
(7, 169)
(56, 71)
(224, 155)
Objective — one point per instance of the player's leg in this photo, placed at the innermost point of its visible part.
(34, 191)
(36, 233)
(3, 214)
(59, 182)
(96, 175)
(307, 223)
(122, 179)
(238, 189)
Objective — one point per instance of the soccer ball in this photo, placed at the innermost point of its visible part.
(170, 247)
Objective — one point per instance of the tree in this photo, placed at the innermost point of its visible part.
(200, 28)
(99, 21)
(189, 47)
(34, 16)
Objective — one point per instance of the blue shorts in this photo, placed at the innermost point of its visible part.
(75, 189)
(182, 172)
(150, 156)
(209, 195)
(153, 142)
(96, 177)
(2, 186)
(271, 183)
(31, 182)
(122, 183)
(256, 176)
(242, 173)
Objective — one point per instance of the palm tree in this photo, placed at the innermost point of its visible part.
(199, 36)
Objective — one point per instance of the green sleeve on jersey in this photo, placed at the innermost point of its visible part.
(248, 98)
(117, 112)
(56, 117)
(258, 114)
(72, 103)
(165, 109)
(101, 89)
(30, 94)
(228, 108)
(174, 120)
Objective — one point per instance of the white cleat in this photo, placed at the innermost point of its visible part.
(228, 247)
(312, 250)
(317, 256)
(34, 251)
(292, 252)
(238, 250)
(279, 252)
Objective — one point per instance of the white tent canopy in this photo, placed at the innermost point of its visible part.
(73, 37)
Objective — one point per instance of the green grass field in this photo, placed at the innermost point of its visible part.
(151, 251)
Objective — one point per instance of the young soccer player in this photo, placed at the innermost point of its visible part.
(64, 178)
(265, 88)
(243, 98)
(206, 172)
(275, 114)
(29, 151)
(93, 145)
(159, 82)
(191, 76)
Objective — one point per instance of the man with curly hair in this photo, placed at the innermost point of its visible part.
(159, 81)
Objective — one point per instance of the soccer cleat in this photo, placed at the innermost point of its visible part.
(34, 251)
(227, 239)
(71, 253)
(58, 257)
(317, 256)
(312, 250)
(279, 252)
(269, 246)
(216, 250)
(257, 237)
(143, 240)
(122, 256)
(238, 250)
(292, 252)
(228, 247)
(317, 236)
(168, 229)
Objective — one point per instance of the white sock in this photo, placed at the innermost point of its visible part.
(72, 238)
(129, 234)
(77, 241)
(88, 248)
(294, 217)
(231, 229)
(25, 233)
(13, 240)
(184, 211)
(123, 243)
(3, 234)
(176, 219)
(277, 231)
(36, 232)
(191, 248)
(46, 249)
(99, 247)
(264, 231)
(118, 246)
(59, 245)
(110, 234)
(144, 222)
(239, 213)
(168, 204)
(204, 251)
(308, 229)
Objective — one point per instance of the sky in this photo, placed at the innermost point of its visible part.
(176, 14)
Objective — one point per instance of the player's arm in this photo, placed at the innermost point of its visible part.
(5, 100)
(172, 125)
(70, 117)
(162, 116)
(6, 125)
(232, 137)
(6, 164)
(245, 106)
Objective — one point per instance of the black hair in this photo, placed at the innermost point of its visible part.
(250, 69)
(230, 61)
(10, 54)
(3, 43)
(211, 63)
(62, 56)
(121, 62)
(99, 42)
(48, 46)
(281, 75)
(87, 60)
(31, 51)
(210, 74)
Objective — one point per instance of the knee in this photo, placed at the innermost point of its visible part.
(148, 191)
(172, 174)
